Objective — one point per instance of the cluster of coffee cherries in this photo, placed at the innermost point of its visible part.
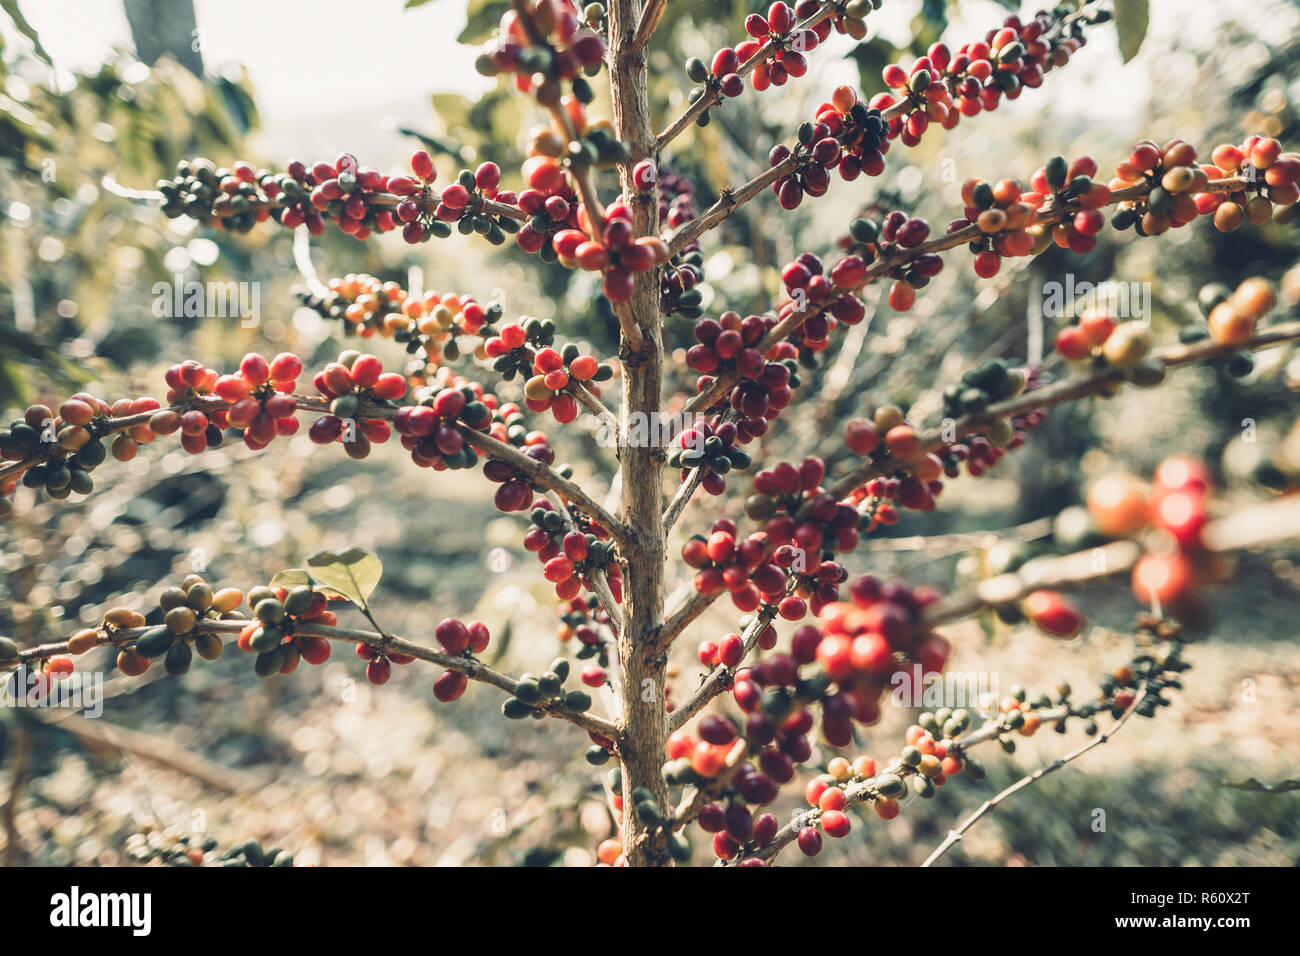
(826, 303)
(171, 848)
(935, 751)
(1175, 505)
(743, 567)
(846, 135)
(270, 635)
(1274, 179)
(552, 382)
(720, 77)
(511, 347)
(714, 449)
(993, 380)
(583, 618)
(465, 203)
(189, 383)
(352, 384)
(802, 521)
(1003, 220)
(229, 198)
(570, 557)
(1232, 315)
(785, 45)
(894, 233)
(367, 306)
(551, 206)
(545, 42)
(430, 429)
(857, 649)
(458, 639)
(1125, 346)
(359, 199)
(516, 491)
(676, 197)
(179, 635)
(1174, 178)
(677, 282)
(618, 254)
(943, 86)
(861, 643)
(260, 396)
(729, 344)
(69, 442)
(535, 693)
(1059, 182)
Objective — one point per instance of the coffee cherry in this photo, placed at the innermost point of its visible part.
(1052, 613)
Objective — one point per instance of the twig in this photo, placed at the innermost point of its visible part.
(157, 749)
(988, 806)
(650, 17)
(720, 678)
(682, 498)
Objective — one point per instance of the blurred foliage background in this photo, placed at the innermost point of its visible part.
(343, 773)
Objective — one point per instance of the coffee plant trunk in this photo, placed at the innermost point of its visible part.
(645, 722)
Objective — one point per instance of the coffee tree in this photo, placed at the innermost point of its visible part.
(480, 389)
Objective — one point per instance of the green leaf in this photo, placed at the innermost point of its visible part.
(481, 18)
(290, 578)
(1131, 23)
(354, 573)
(1255, 786)
(22, 26)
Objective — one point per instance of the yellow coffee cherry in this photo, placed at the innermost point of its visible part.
(83, 640)
(1127, 345)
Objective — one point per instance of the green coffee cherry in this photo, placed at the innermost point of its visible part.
(576, 701)
(527, 690)
(155, 642)
(515, 709)
(888, 784)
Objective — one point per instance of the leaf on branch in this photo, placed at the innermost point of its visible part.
(290, 578)
(1131, 25)
(481, 17)
(10, 7)
(354, 573)
(1255, 786)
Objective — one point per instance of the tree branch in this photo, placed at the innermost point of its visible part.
(989, 805)
(471, 667)
(888, 265)
(650, 17)
(692, 112)
(1066, 390)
